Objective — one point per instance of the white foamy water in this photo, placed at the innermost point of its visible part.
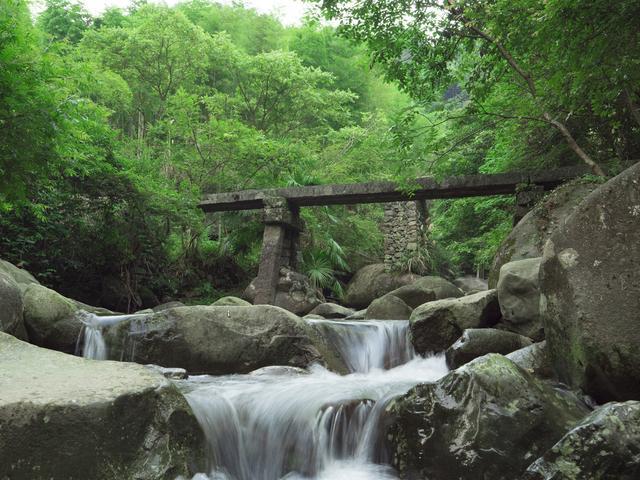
(91, 343)
(320, 425)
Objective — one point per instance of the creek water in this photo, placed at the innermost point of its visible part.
(91, 343)
(283, 423)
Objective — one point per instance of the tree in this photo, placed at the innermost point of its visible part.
(529, 44)
(64, 20)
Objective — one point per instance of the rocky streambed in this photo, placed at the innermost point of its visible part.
(536, 379)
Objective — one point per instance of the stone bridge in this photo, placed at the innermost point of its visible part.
(281, 208)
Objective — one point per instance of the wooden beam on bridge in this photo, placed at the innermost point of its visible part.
(382, 192)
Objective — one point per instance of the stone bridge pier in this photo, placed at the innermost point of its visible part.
(280, 245)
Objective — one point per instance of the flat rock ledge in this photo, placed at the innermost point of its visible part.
(64, 417)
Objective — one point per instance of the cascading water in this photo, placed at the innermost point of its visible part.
(91, 343)
(315, 424)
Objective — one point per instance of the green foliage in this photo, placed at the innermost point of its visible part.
(64, 20)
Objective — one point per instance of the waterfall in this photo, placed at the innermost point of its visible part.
(91, 343)
(319, 425)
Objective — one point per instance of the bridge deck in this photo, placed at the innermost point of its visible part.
(381, 192)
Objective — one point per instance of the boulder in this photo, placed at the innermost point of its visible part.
(436, 325)
(217, 340)
(469, 284)
(476, 342)
(170, 373)
(487, 419)
(590, 287)
(359, 315)
(50, 318)
(519, 297)
(230, 302)
(64, 417)
(439, 286)
(11, 319)
(332, 310)
(603, 446)
(373, 281)
(528, 237)
(414, 295)
(167, 306)
(294, 293)
(19, 275)
(388, 307)
(534, 359)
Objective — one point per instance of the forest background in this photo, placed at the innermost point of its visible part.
(112, 127)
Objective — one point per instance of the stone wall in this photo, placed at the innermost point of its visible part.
(405, 228)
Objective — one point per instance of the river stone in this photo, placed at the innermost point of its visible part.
(414, 295)
(332, 310)
(388, 307)
(469, 284)
(230, 301)
(519, 297)
(217, 340)
(436, 325)
(528, 237)
(534, 359)
(50, 318)
(476, 342)
(488, 419)
(359, 315)
(11, 319)
(170, 373)
(167, 306)
(441, 288)
(19, 275)
(373, 281)
(590, 286)
(603, 446)
(64, 417)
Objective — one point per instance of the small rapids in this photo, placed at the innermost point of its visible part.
(311, 425)
(91, 342)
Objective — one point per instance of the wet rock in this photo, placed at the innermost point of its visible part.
(217, 340)
(19, 275)
(64, 417)
(388, 307)
(439, 286)
(311, 316)
(170, 373)
(603, 446)
(373, 281)
(294, 293)
(167, 306)
(590, 286)
(519, 297)
(476, 342)
(469, 284)
(534, 359)
(332, 310)
(436, 325)
(359, 315)
(11, 319)
(50, 318)
(488, 419)
(414, 295)
(230, 301)
(528, 237)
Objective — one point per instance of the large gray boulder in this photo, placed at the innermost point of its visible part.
(332, 310)
(485, 420)
(218, 340)
(469, 284)
(388, 307)
(373, 281)
(19, 275)
(440, 287)
(476, 342)
(436, 325)
(534, 359)
(294, 293)
(50, 318)
(528, 237)
(230, 301)
(519, 297)
(590, 286)
(11, 319)
(64, 417)
(603, 446)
